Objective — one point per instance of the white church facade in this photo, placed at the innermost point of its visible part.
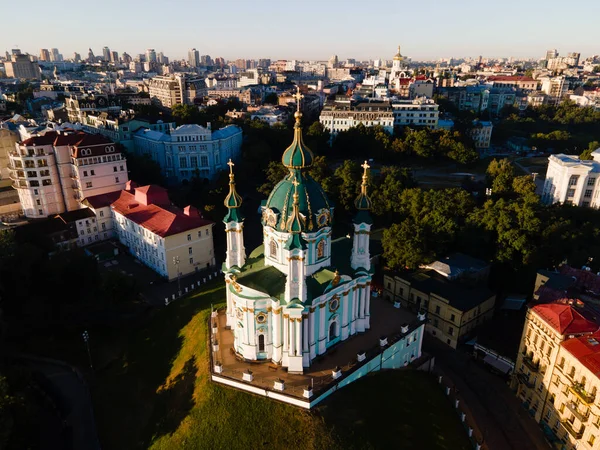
(300, 293)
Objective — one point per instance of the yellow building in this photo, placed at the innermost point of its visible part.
(454, 309)
(557, 374)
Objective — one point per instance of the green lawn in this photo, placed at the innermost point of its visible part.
(156, 394)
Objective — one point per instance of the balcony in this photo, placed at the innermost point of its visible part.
(569, 427)
(524, 379)
(579, 391)
(583, 417)
(534, 367)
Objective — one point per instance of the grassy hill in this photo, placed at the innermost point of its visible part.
(157, 394)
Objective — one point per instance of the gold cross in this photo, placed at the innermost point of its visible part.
(366, 166)
(298, 96)
(295, 183)
(231, 164)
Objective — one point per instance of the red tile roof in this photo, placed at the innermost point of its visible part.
(587, 351)
(510, 78)
(79, 139)
(162, 220)
(564, 318)
(102, 200)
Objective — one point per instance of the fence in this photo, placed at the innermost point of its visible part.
(476, 437)
(189, 287)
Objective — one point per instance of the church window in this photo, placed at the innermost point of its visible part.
(261, 342)
(332, 330)
(273, 249)
(321, 249)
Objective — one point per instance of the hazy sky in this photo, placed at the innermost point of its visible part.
(305, 29)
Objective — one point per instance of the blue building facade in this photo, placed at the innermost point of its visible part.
(190, 150)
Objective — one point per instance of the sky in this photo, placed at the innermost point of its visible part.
(306, 29)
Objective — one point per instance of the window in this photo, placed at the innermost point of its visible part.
(591, 439)
(121, 168)
(437, 309)
(39, 202)
(35, 192)
(191, 260)
(451, 331)
(40, 212)
(85, 174)
(103, 226)
(321, 249)
(573, 180)
(273, 249)
(101, 213)
(204, 161)
(189, 237)
(183, 162)
(591, 181)
(436, 323)
(190, 250)
(261, 342)
(116, 179)
(207, 231)
(92, 172)
(88, 184)
(452, 317)
(114, 168)
(193, 161)
(588, 193)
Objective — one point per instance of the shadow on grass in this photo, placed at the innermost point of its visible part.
(131, 407)
(173, 404)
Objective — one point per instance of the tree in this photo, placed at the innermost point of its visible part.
(274, 173)
(186, 114)
(587, 153)
(386, 189)
(143, 169)
(501, 174)
(347, 184)
(404, 246)
(271, 99)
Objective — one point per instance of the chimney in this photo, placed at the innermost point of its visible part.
(192, 211)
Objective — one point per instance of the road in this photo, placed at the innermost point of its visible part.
(498, 413)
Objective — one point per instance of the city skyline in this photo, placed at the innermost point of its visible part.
(455, 32)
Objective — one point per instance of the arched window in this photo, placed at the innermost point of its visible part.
(321, 249)
(273, 249)
(332, 330)
(261, 342)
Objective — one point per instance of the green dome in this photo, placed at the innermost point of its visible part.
(297, 155)
(313, 204)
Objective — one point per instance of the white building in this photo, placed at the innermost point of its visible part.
(55, 172)
(555, 88)
(170, 241)
(481, 133)
(420, 112)
(572, 180)
(341, 116)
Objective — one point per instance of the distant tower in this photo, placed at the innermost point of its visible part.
(150, 55)
(106, 54)
(234, 226)
(91, 57)
(194, 58)
(398, 65)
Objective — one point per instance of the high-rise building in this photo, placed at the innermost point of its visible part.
(126, 58)
(21, 66)
(219, 61)
(171, 90)
(573, 59)
(240, 64)
(114, 57)
(55, 55)
(151, 55)
(76, 57)
(333, 61)
(91, 57)
(161, 58)
(106, 54)
(193, 58)
(44, 54)
(206, 60)
(550, 54)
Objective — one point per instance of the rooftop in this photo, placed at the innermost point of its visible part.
(101, 200)
(457, 264)
(147, 207)
(587, 350)
(460, 296)
(564, 318)
(74, 216)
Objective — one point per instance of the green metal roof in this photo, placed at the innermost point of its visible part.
(297, 155)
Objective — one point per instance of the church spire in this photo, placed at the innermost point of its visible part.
(363, 202)
(297, 155)
(233, 200)
(295, 221)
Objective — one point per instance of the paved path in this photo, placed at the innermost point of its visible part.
(499, 415)
(74, 398)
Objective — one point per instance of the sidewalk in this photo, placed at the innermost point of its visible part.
(499, 415)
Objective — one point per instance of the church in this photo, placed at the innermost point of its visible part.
(300, 293)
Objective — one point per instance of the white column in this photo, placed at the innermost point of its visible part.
(277, 344)
(298, 325)
(368, 307)
(286, 329)
(292, 337)
(311, 339)
(360, 322)
(305, 333)
(345, 311)
(322, 345)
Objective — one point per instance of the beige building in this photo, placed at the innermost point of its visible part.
(178, 89)
(454, 309)
(170, 241)
(557, 373)
(8, 139)
(21, 66)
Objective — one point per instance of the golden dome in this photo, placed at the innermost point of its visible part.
(398, 56)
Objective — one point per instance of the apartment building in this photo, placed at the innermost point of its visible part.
(55, 171)
(80, 105)
(171, 241)
(22, 67)
(557, 373)
(455, 309)
(522, 83)
(481, 133)
(555, 88)
(176, 89)
(572, 180)
(190, 150)
(420, 111)
(342, 115)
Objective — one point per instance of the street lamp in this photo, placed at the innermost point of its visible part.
(86, 339)
(176, 262)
